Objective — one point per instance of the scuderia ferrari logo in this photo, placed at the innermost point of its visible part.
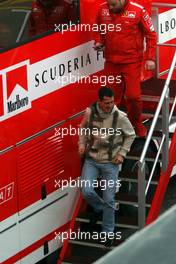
(129, 14)
(23, 83)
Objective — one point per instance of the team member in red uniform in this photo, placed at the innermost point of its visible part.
(145, 3)
(46, 14)
(124, 51)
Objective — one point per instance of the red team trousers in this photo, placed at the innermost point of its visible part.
(129, 87)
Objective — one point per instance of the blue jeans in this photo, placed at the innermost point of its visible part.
(109, 172)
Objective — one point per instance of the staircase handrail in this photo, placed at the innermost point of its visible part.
(163, 183)
(166, 87)
(164, 105)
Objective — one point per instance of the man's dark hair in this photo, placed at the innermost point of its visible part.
(46, 3)
(105, 91)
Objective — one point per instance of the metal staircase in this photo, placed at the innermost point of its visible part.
(143, 168)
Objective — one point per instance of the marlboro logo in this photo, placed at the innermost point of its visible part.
(14, 90)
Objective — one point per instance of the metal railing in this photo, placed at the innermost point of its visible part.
(164, 145)
(163, 5)
(23, 26)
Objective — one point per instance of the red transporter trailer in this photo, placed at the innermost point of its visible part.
(39, 100)
(164, 19)
(40, 109)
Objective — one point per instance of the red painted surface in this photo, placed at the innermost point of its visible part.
(71, 227)
(165, 53)
(50, 108)
(46, 111)
(8, 186)
(163, 183)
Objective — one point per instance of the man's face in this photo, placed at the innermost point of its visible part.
(116, 6)
(107, 104)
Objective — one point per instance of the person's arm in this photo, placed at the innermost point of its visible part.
(128, 134)
(84, 132)
(32, 26)
(37, 23)
(97, 34)
(72, 12)
(146, 4)
(151, 39)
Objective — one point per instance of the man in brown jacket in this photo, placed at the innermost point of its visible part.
(105, 137)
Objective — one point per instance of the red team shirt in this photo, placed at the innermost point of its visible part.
(43, 19)
(125, 43)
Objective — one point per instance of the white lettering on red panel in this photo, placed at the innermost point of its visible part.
(22, 83)
(167, 25)
(6, 193)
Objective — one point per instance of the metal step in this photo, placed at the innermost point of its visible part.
(94, 242)
(135, 155)
(127, 222)
(136, 181)
(125, 198)
(125, 232)
(158, 134)
(132, 176)
(154, 87)
(153, 98)
(137, 158)
(84, 255)
(149, 113)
